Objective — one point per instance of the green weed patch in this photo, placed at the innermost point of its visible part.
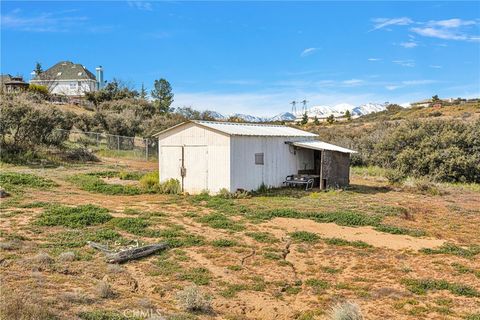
(422, 286)
(220, 221)
(450, 248)
(342, 242)
(304, 236)
(17, 182)
(74, 217)
(93, 183)
(264, 237)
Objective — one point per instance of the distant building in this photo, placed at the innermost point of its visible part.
(69, 79)
(422, 103)
(10, 84)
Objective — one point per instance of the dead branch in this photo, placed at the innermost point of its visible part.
(129, 254)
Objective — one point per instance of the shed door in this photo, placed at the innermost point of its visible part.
(196, 165)
(170, 163)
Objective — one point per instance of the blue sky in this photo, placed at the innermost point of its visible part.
(256, 57)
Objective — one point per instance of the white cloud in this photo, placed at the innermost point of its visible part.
(141, 5)
(409, 44)
(451, 23)
(374, 59)
(405, 63)
(406, 83)
(418, 82)
(392, 87)
(434, 66)
(308, 52)
(440, 33)
(45, 22)
(353, 82)
(381, 23)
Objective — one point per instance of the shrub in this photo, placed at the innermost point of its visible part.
(27, 127)
(171, 186)
(104, 290)
(67, 256)
(150, 180)
(74, 217)
(395, 176)
(24, 306)
(43, 259)
(191, 299)
(37, 88)
(346, 311)
(446, 150)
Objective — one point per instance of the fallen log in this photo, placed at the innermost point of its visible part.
(129, 254)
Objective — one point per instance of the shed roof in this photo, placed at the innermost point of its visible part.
(249, 129)
(320, 145)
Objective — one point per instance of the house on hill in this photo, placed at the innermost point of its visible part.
(209, 155)
(69, 79)
(11, 84)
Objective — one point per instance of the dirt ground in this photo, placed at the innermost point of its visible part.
(277, 276)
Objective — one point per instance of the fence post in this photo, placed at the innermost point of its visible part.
(118, 143)
(146, 149)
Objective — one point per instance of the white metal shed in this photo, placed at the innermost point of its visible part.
(209, 155)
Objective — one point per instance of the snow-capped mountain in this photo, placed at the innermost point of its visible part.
(284, 116)
(249, 118)
(368, 108)
(217, 115)
(320, 111)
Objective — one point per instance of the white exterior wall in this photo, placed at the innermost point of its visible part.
(279, 161)
(217, 146)
(62, 87)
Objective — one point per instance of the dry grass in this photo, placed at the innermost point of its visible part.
(237, 250)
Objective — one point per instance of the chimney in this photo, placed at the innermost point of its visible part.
(99, 70)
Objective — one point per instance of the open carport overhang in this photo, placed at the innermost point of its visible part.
(320, 145)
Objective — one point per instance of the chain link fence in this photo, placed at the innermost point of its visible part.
(115, 146)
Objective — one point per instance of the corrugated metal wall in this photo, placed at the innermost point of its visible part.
(217, 146)
(279, 161)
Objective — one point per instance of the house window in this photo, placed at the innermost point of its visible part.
(73, 85)
(259, 158)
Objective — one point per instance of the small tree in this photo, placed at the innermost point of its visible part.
(304, 119)
(331, 119)
(315, 121)
(435, 98)
(163, 95)
(143, 92)
(38, 69)
(348, 115)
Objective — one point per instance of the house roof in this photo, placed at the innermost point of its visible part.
(66, 70)
(249, 129)
(320, 145)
